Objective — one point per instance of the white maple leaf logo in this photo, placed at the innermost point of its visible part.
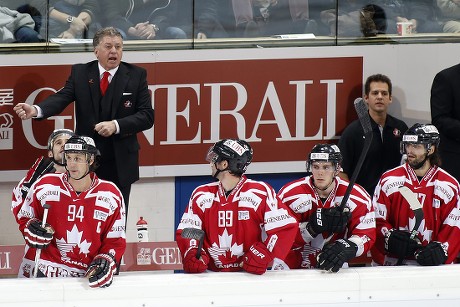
(225, 242)
(224, 248)
(72, 242)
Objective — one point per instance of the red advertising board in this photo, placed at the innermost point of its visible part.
(281, 106)
(142, 256)
(145, 256)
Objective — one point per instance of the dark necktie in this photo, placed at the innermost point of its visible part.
(104, 82)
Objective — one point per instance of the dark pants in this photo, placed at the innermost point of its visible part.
(125, 191)
(107, 169)
(450, 163)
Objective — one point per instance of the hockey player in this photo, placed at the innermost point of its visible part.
(245, 225)
(54, 163)
(437, 239)
(328, 237)
(84, 233)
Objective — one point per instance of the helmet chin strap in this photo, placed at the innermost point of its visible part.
(56, 162)
(86, 174)
(218, 171)
(420, 164)
(332, 181)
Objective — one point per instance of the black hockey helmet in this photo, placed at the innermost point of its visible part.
(56, 133)
(426, 134)
(83, 144)
(237, 152)
(324, 152)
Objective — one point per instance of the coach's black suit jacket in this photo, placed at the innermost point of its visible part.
(445, 114)
(127, 100)
(445, 107)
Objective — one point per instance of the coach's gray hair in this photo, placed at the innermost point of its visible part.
(109, 31)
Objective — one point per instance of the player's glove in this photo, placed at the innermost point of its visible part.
(37, 236)
(433, 254)
(41, 166)
(257, 259)
(328, 220)
(399, 243)
(194, 265)
(334, 255)
(101, 270)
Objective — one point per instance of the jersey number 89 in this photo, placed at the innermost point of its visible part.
(225, 218)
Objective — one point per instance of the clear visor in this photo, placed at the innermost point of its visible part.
(211, 156)
(65, 136)
(59, 140)
(79, 157)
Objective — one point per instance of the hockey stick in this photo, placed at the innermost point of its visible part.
(416, 207)
(49, 168)
(37, 174)
(39, 251)
(194, 233)
(364, 119)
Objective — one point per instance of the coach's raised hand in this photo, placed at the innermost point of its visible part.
(25, 111)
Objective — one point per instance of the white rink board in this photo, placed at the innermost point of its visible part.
(368, 286)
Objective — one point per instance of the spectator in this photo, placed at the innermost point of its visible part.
(449, 15)
(315, 9)
(445, 115)
(380, 17)
(434, 240)
(272, 17)
(144, 19)
(245, 225)
(329, 236)
(17, 27)
(215, 19)
(73, 18)
(97, 87)
(421, 13)
(344, 20)
(54, 163)
(36, 16)
(384, 152)
(84, 233)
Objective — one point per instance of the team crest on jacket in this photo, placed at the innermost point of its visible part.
(396, 132)
(225, 253)
(72, 244)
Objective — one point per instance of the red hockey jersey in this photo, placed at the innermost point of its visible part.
(250, 213)
(302, 200)
(437, 191)
(85, 224)
(17, 198)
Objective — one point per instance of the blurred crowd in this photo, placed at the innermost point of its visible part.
(41, 20)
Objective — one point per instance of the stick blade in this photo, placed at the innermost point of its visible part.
(411, 198)
(363, 114)
(192, 233)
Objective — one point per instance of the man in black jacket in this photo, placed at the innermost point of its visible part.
(445, 115)
(111, 116)
(384, 152)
